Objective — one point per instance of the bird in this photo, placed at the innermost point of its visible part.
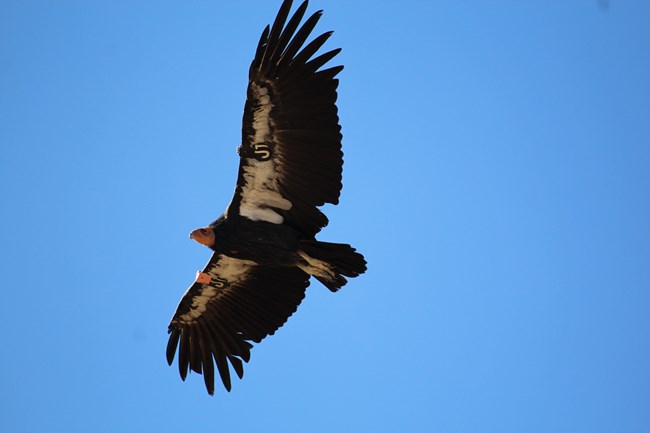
(264, 246)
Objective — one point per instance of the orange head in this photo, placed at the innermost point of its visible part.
(203, 236)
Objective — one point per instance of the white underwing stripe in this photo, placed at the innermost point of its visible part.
(225, 268)
(260, 193)
(262, 115)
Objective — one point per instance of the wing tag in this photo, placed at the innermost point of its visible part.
(262, 152)
(216, 282)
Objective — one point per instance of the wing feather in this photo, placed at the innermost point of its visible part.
(171, 346)
(195, 350)
(207, 349)
(291, 159)
(216, 322)
(184, 354)
(274, 36)
(237, 365)
(289, 30)
(292, 57)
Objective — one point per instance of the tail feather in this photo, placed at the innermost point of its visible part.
(330, 263)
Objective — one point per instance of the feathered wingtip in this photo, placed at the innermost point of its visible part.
(280, 44)
(197, 348)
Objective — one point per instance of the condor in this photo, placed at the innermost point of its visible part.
(264, 244)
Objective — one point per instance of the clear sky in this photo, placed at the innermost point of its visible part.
(497, 178)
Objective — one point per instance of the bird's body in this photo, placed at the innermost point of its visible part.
(264, 244)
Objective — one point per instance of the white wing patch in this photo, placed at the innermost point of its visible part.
(224, 272)
(261, 116)
(260, 192)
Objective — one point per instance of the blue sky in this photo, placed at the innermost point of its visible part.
(496, 177)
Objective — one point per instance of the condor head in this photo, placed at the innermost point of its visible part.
(203, 236)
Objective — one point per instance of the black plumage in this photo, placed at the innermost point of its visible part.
(264, 244)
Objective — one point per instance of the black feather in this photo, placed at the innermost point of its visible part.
(272, 41)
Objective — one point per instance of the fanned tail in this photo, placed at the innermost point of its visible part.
(330, 263)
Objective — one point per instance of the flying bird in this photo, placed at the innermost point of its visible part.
(264, 245)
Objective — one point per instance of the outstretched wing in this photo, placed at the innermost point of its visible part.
(233, 303)
(291, 159)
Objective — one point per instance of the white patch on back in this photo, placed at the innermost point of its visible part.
(260, 194)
